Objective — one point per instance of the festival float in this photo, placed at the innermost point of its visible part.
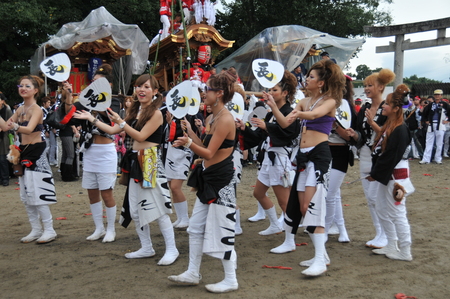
(290, 45)
(99, 38)
(174, 50)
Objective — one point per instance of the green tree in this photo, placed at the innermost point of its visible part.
(362, 71)
(414, 79)
(26, 24)
(243, 19)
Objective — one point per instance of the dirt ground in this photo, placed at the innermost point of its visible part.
(71, 267)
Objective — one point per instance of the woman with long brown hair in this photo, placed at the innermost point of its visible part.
(37, 188)
(390, 174)
(325, 84)
(147, 197)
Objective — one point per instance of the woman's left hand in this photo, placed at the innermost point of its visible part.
(181, 141)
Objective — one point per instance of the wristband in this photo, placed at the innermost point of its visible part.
(94, 121)
(122, 125)
(188, 143)
(16, 126)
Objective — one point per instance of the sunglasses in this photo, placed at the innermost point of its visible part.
(207, 88)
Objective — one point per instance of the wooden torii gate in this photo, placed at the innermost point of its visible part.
(400, 44)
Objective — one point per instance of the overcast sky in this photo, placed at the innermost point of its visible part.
(433, 63)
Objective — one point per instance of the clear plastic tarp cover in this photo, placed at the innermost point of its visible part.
(288, 44)
(99, 24)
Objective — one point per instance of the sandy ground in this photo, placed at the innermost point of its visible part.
(72, 267)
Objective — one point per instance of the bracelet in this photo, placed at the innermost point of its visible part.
(94, 121)
(16, 126)
(122, 124)
(188, 143)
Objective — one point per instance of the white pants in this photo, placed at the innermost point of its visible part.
(438, 136)
(446, 142)
(392, 217)
(333, 199)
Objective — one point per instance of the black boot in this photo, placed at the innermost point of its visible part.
(67, 173)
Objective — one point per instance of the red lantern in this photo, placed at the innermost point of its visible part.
(204, 54)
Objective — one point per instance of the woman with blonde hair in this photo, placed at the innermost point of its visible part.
(325, 84)
(37, 188)
(368, 123)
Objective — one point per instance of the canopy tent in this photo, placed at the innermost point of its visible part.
(99, 27)
(290, 45)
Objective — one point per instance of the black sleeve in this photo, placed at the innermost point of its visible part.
(383, 165)
(253, 138)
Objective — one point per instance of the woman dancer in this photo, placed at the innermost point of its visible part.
(277, 143)
(147, 197)
(340, 153)
(177, 163)
(390, 175)
(37, 188)
(368, 123)
(325, 83)
(99, 163)
(212, 223)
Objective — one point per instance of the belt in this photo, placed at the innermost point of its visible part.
(400, 173)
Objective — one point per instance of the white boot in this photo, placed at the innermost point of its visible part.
(47, 221)
(97, 216)
(146, 243)
(380, 239)
(181, 209)
(237, 226)
(288, 244)
(36, 227)
(260, 215)
(171, 253)
(333, 229)
(404, 254)
(274, 227)
(229, 283)
(110, 228)
(281, 219)
(308, 263)
(192, 275)
(343, 236)
(318, 266)
(391, 247)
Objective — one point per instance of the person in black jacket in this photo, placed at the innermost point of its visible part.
(276, 148)
(433, 115)
(390, 173)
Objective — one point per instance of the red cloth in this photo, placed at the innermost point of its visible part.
(197, 73)
(165, 7)
(206, 75)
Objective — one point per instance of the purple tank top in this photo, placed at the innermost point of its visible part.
(322, 124)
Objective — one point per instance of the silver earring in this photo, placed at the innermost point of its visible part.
(217, 101)
(320, 90)
(154, 97)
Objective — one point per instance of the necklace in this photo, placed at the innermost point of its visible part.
(215, 116)
(24, 112)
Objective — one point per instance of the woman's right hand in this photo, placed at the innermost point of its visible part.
(82, 115)
(268, 98)
(350, 132)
